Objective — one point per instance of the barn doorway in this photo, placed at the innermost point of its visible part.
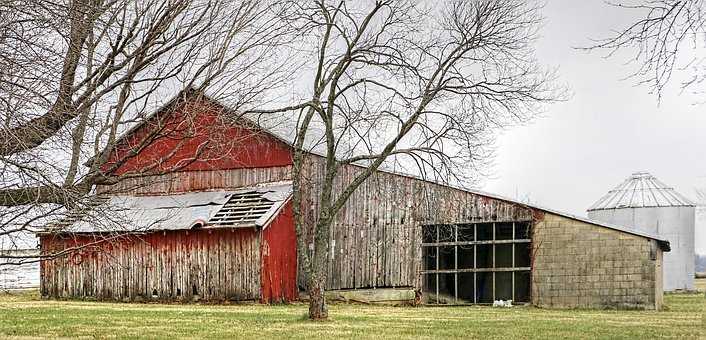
(476, 263)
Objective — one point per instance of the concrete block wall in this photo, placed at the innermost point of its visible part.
(581, 265)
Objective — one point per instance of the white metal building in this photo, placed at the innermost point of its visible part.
(647, 204)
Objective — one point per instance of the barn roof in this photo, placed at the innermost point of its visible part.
(663, 243)
(283, 134)
(246, 207)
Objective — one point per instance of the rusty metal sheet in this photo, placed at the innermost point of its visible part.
(174, 212)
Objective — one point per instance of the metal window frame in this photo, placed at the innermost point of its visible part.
(493, 269)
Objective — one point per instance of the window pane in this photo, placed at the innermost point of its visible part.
(466, 287)
(503, 231)
(465, 257)
(503, 255)
(447, 289)
(484, 256)
(522, 254)
(447, 233)
(465, 232)
(484, 287)
(429, 256)
(446, 257)
(522, 230)
(485, 231)
(503, 286)
(429, 234)
(522, 286)
(430, 288)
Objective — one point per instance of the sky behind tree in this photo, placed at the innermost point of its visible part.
(607, 130)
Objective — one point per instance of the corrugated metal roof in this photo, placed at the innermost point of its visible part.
(18, 240)
(641, 190)
(181, 211)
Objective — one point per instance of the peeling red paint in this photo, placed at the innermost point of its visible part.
(537, 215)
(174, 264)
(196, 135)
(279, 258)
(216, 265)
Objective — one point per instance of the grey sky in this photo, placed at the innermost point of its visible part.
(607, 130)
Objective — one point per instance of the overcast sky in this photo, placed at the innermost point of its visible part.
(607, 130)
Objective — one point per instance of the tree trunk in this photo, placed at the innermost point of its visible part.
(317, 301)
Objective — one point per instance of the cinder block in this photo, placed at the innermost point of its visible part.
(635, 277)
(579, 265)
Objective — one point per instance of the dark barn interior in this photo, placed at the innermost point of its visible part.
(476, 262)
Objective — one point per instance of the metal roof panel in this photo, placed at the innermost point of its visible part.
(177, 212)
(641, 190)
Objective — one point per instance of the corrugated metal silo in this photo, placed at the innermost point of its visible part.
(645, 203)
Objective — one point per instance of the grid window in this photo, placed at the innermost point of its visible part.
(476, 262)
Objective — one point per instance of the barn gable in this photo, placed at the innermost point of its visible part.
(195, 133)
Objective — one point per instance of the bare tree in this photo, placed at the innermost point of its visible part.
(405, 84)
(667, 35)
(76, 74)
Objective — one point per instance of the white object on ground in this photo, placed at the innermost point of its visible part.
(502, 303)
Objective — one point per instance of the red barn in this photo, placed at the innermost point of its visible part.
(213, 221)
(193, 240)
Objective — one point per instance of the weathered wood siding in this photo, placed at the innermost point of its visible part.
(218, 265)
(376, 238)
(186, 181)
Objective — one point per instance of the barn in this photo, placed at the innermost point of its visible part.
(215, 245)
(219, 227)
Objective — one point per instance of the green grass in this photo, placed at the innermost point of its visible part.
(24, 315)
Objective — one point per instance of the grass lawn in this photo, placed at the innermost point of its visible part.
(24, 315)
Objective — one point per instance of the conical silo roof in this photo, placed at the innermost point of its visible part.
(641, 190)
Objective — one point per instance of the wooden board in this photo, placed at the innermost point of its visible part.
(213, 265)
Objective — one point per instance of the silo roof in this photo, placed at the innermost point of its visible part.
(641, 190)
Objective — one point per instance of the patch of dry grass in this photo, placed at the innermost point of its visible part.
(701, 285)
(25, 315)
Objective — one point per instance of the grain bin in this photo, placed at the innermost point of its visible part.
(647, 204)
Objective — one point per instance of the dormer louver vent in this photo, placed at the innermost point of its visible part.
(242, 208)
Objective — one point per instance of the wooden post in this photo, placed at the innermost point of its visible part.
(493, 265)
(475, 265)
(436, 276)
(456, 264)
(513, 261)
